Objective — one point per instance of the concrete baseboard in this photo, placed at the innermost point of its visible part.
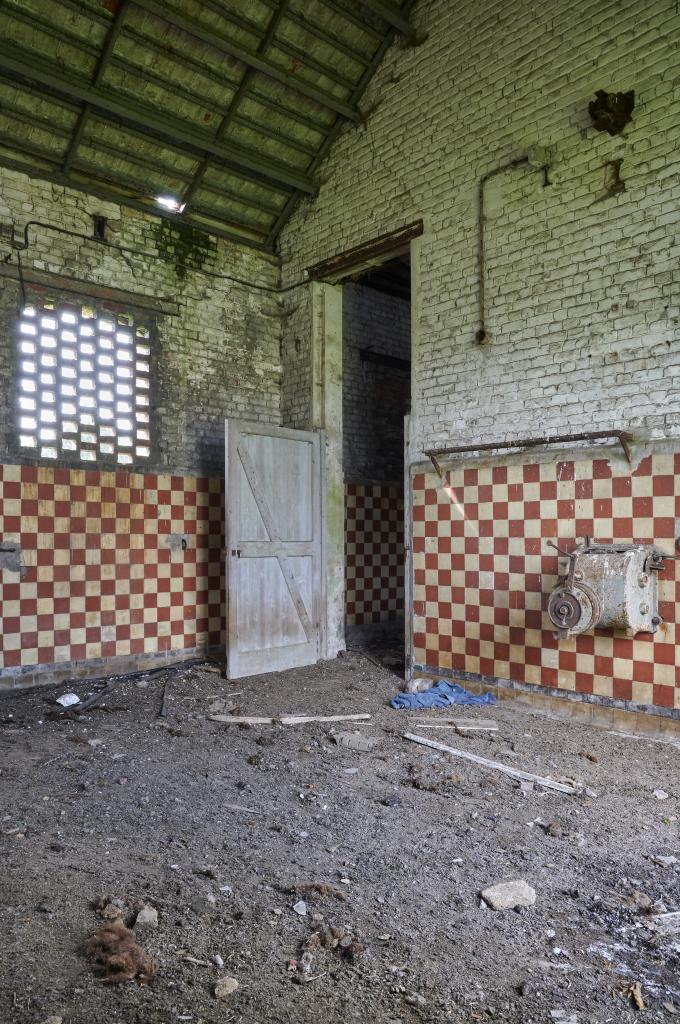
(623, 716)
(52, 675)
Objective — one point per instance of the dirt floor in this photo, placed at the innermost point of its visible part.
(214, 826)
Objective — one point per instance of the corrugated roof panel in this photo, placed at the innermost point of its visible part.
(33, 106)
(252, 192)
(99, 131)
(18, 135)
(223, 103)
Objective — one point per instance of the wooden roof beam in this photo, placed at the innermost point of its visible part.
(224, 45)
(110, 39)
(395, 18)
(287, 211)
(273, 25)
(172, 129)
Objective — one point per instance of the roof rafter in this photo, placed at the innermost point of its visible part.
(231, 106)
(274, 22)
(132, 155)
(144, 40)
(294, 115)
(361, 87)
(253, 27)
(220, 42)
(180, 134)
(204, 101)
(392, 15)
(52, 172)
(352, 17)
(109, 42)
(323, 35)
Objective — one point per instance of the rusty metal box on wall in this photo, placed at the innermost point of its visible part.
(608, 586)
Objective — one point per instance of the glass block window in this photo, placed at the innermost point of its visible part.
(83, 383)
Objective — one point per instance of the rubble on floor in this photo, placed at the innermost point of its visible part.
(274, 873)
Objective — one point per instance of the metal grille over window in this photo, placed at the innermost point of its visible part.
(83, 383)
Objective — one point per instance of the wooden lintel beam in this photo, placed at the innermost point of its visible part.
(366, 254)
(60, 283)
(367, 355)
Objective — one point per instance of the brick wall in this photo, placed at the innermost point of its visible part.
(219, 357)
(582, 292)
(105, 586)
(582, 296)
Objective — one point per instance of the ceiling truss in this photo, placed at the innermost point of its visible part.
(229, 113)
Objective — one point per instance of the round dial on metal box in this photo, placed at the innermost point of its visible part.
(574, 609)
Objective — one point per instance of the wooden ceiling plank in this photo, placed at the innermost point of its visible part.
(177, 133)
(270, 32)
(220, 42)
(110, 40)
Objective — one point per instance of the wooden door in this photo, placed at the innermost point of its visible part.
(273, 548)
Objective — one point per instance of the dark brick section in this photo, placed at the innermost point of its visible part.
(375, 397)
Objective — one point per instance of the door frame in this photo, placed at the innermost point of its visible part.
(326, 281)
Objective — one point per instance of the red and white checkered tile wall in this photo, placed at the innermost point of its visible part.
(374, 554)
(101, 579)
(483, 571)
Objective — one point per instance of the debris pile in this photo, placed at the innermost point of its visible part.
(117, 956)
(328, 937)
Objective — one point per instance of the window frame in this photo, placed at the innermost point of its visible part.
(37, 295)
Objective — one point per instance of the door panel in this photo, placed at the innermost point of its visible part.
(273, 534)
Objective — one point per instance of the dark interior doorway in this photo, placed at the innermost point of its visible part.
(376, 398)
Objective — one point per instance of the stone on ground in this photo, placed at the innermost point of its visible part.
(508, 895)
(225, 987)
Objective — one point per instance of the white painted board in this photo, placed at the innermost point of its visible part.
(273, 548)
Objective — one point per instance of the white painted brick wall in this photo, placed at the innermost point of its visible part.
(583, 298)
(220, 357)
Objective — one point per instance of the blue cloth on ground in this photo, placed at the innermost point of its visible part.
(440, 696)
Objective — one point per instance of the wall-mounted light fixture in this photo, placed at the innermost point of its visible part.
(170, 203)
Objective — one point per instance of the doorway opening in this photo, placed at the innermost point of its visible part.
(376, 339)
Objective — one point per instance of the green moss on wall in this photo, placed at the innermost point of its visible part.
(187, 247)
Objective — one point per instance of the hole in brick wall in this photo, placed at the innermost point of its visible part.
(99, 228)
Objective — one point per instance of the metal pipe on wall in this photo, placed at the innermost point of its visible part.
(482, 335)
(624, 438)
